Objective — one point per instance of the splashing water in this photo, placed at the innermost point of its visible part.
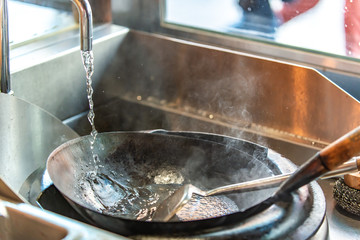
(88, 61)
(120, 197)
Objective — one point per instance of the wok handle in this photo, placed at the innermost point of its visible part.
(324, 161)
(341, 150)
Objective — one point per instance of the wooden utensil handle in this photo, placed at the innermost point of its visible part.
(333, 155)
(341, 150)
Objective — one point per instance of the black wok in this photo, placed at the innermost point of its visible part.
(134, 160)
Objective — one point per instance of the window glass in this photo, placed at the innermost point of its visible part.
(28, 22)
(327, 26)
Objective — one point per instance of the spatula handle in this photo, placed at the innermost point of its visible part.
(327, 159)
(341, 150)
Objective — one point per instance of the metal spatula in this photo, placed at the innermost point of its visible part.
(326, 161)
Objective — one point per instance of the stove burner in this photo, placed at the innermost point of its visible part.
(271, 224)
(52, 200)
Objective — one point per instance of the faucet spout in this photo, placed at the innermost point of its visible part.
(86, 24)
(86, 36)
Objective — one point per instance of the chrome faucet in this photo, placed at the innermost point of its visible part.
(86, 36)
(86, 24)
(5, 58)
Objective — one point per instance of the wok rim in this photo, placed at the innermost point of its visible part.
(172, 227)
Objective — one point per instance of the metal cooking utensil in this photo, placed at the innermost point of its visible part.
(323, 162)
(174, 203)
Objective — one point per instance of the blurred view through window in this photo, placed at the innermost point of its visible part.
(327, 26)
(30, 20)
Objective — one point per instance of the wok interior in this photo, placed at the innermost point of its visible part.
(133, 172)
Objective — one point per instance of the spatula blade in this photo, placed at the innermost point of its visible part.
(171, 205)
